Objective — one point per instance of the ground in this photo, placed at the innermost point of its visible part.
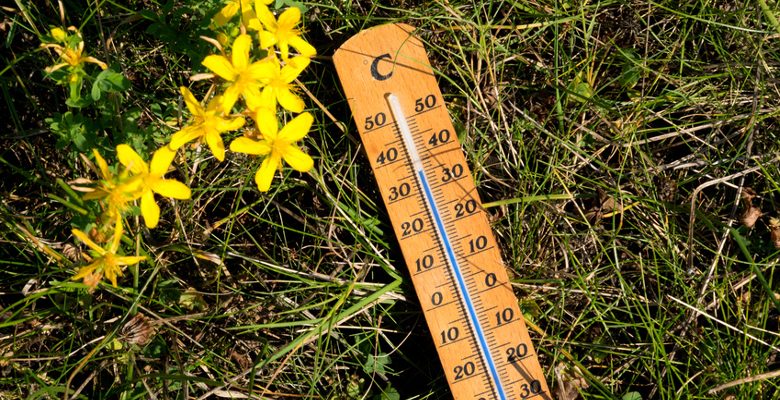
(626, 152)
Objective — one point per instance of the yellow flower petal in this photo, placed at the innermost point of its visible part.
(117, 235)
(57, 48)
(297, 128)
(84, 271)
(303, 47)
(111, 272)
(214, 140)
(229, 98)
(254, 24)
(226, 13)
(262, 70)
(266, 122)
(55, 67)
(265, 174)
(128, 260)
(161, 160)
(185, 135)
(215, 104)
(98, 193)
(294, 67)
(267, 39)
(247, 14)
(132, 188)
(192, 103)
(267, 18)
(130, 159)
(172, 188)
(240, 56)
(284, 49)
(253, 97)
(220, 66)
(227, 125)
(297, 159)
(94, 60)
(248, 146)
(289, 18)
(267, 99)
(149, 209)
(289, 100)
(84, 238)
(102, 165)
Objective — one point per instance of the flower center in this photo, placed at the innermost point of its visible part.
(283, 34)
(150, 181)
(244, 80)
(108, 260)
(210, 124)
(279, 147)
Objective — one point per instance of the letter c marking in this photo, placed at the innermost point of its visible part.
(375, 68)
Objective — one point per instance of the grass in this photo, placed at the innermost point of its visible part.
(612, 140)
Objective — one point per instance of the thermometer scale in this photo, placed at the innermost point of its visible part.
(444, 234)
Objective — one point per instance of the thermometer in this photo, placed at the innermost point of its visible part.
(444, 234)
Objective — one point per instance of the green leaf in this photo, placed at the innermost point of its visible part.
(354, 387)
(632, 396)
(109, 81)
(96, 92)
(581, 88)
(192, 300)
(73, 129)
(630, 74)
(80, 102)
(376, 364)
(290, 3)
(149, 15)
(80, 137)
(389, 393)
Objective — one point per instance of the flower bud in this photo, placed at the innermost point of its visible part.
(58, 34)
(223, 39)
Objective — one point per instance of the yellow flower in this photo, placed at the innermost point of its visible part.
(277, 146)
(118, 190)
(72, 57)
(283, 33)
(245, 78)
(278, 87)
(231, 8)
(152, 179)
(106, 261)
(206, 124)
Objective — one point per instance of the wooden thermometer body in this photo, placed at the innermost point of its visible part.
(447, 243)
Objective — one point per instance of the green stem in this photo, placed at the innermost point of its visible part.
(68, 204)
(71, 193)
(760, 276)
(769, 14)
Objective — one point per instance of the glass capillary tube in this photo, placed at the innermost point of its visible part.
(449, 253)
